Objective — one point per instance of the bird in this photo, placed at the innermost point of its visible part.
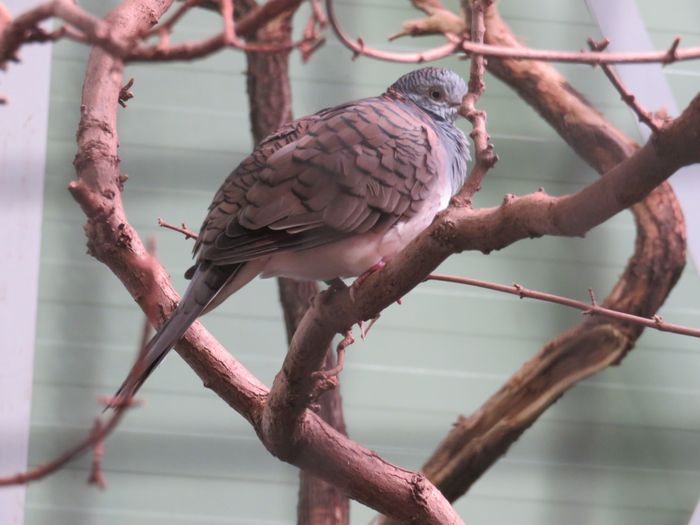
(328, 196)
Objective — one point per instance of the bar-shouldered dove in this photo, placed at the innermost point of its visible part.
(326, 196)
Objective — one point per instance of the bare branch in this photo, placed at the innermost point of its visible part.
(182, 229)
(592, 308)
(95, 439)
(358, 46)
(169, 24)
(654, 123)
(476, 442)
(26, 27)
(449, 25)
(319, 449)
(483, 149)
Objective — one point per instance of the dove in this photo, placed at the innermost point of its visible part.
(328, 196)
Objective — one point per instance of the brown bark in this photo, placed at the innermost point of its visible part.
(476, 442)
(269, 97)
(464, 228)
(280, 417)
(323, 451)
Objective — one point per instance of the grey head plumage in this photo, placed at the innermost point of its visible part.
(436, 90)
(439, 93)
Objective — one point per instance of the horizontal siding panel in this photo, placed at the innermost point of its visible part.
(166, 497)
(622, 447)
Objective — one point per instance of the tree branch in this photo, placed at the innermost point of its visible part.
(476, 442)
(320, 449)
(95, 439)
(84, 27)
(441, 21)
(269, 97)
(654, 123)
(483, 150)
(592, 308)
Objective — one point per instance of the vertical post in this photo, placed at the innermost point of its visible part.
(23, 134)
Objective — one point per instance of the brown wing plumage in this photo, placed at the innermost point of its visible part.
(351, 169)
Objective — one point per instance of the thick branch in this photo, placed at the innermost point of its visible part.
(269, 97)
(24, 28)
(322, 450)
(592, 308)
(462, 228)
(84, 27)
(476, 442)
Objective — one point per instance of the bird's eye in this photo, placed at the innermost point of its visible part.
(435, 94)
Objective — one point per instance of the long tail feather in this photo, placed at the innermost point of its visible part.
(205, 284)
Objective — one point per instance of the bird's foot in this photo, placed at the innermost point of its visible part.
(328, 379)
(362, 278)
(364, 331)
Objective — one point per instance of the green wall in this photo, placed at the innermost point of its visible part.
(622, 447)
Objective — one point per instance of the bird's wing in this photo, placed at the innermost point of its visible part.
(347, 170)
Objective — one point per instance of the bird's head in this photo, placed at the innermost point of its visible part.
(437, 90)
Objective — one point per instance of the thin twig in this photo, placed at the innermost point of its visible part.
(628, 98)
(125, 93)
(168, 25)
(96, 475)
(592, 308)
(484, 154)
(316, 23)
(95, 439)
(229, 29)
(358, 47)
(182, 229)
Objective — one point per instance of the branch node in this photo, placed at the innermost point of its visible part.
(672, 53)
(643, 115)
(591, 294)
(598, 45)
(508, 199)
(125, 93)
(520, 290)
(189, 234)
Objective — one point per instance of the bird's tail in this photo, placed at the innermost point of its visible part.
(206, 283)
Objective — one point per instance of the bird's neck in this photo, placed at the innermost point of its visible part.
(457, 148)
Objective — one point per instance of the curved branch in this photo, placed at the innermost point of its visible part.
(320, 449)
(463, 228)
(358, 46)
(449, 24)
(270, 103)
(476, 442)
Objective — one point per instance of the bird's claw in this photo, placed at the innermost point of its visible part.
(363, 277)
(328, 379)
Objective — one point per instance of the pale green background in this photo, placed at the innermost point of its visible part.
(622, 447)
